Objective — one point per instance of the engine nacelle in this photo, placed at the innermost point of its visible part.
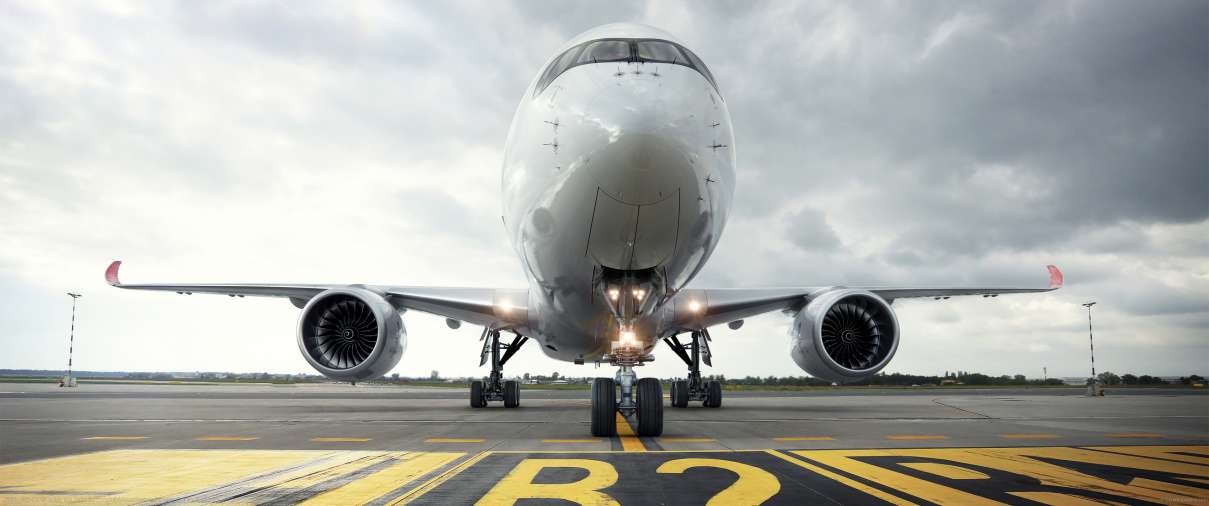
(351, 334)
(844, 335)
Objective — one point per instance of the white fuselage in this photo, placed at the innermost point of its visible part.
(614, 171)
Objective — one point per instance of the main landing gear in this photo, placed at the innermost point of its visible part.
(694, 388)
(495, 388)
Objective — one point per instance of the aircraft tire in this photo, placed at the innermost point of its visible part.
(604, 407)
(512, 394)
(476, 394)
(650, 407)
(713, 394)
(679, 394)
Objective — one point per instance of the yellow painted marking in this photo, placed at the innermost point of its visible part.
(382, 482)
(332, 470)
(296, 476)
(136, 476)
(629, 441)
(687, 439)
(452, 440)
(1135, 434)
(804, 438)
(436, 481)
(1056, 498)
(1183, 490)
(570, 440)
(892, 499)
(947, 471)
(226, 438)
(1032, 463)
(754, 485)
(340, 439)
(328, 466)
(1160, 452)
(913, 437)
(923, 489)
(114, 438)
(518, 484)
(1171, 475)
(1029, 436)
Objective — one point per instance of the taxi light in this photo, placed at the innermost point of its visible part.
(614, 293)
(639, 293)
(694, 306)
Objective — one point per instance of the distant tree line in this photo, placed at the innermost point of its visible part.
(1109, 378)
(260, 377)
(891, 379)
(894, 379)
(949, 378)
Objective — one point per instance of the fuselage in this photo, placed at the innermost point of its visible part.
(618, 175)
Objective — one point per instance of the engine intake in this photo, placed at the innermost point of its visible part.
(844, 335)
(351, 334)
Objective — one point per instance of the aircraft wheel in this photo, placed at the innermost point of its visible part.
(604, 407)
(512, 394)
(476, 394)
(679, 394)
(650, 407)
(713, 394)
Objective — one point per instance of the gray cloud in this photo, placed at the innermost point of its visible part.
(808, 229)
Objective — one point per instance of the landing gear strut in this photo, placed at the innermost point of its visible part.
(495, 388)
(694, 388)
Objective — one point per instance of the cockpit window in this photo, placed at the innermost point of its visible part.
(660, 51)
(627, 50)
(604, 51)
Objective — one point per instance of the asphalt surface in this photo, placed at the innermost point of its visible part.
(784, 447)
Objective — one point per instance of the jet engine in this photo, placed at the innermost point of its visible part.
(844, 335)
(351, 334)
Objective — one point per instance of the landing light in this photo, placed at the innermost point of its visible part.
(504, 306)
(639, 293)
(614, 293)
(627, 338)
(694, 306)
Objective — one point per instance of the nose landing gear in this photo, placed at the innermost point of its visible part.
(641, 398)
(694, 388)
(495, 388)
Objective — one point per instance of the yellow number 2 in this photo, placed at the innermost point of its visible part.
(754, 485)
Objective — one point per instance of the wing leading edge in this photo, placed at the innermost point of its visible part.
(701, 308)
(478, 306)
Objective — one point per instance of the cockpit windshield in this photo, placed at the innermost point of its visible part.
(623, 50)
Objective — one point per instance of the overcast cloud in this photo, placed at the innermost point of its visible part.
(915, 143)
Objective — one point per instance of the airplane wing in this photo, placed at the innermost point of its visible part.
(478, 306)
(701, 308)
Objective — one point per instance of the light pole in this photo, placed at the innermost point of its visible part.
(68, 381)
(1093, 385)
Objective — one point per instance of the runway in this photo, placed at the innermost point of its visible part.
(339, 444)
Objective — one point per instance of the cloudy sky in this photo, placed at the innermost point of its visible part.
(918, 143)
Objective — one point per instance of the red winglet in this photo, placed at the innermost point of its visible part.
(111, 274)
(1055, 276)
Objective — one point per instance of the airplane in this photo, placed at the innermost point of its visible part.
(617, 180)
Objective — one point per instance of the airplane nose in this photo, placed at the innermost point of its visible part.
(642, 153)
(640, 168)
(643, 162)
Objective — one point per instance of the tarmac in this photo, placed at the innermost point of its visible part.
(339, 444)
